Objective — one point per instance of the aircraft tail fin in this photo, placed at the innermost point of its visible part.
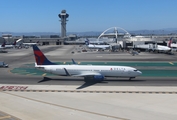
(170, 42)
(3, 45)
(14, 43)
(40, 57)
(87, 41)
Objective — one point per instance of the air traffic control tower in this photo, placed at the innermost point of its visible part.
(63, 15)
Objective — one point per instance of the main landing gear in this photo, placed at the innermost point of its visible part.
(131, 78)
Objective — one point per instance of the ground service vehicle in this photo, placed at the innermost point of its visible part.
(3, 64)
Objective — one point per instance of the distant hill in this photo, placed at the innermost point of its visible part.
(30, 33)
(96, 33)
(160, 31)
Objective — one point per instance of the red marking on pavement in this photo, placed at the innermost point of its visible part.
(13, 87)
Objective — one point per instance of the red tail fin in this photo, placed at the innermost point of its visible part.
(40, 57)
(14, 43)
(170, 42)
(3, 45)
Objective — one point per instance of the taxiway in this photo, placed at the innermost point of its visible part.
(33, 97)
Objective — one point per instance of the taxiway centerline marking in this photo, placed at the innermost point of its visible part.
(88, 91)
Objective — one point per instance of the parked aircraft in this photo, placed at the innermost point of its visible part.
(30, 44)
(89, 72)
(153, 47)
(171, 44)
(10, 45)
(91, 46)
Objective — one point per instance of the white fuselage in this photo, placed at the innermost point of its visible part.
(173, 45)
(9, 46)
(98, 46)
(154, 47)
(163, 48)
(86, 70)
(29, 43)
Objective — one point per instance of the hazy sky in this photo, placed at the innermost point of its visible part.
(87, 15)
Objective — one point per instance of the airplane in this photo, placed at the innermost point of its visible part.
(153, 47)
(91, 46)
(10, 45)
(95, 73)
(30, 44)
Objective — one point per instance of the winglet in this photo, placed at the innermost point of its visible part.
(40, 57)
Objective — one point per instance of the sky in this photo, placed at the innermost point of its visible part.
(87, 15)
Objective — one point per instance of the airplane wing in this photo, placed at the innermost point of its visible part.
(83, 74)
(87, 74)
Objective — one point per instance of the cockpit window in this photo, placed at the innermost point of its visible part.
(135, 70)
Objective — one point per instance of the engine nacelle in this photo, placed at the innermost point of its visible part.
(94, 78)
(98, 77)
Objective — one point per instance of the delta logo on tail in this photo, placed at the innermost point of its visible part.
(40, 58)
(170, 42)
(14, 43)
(3, 45)
(86, 42)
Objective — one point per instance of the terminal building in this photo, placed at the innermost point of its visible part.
(75, 40)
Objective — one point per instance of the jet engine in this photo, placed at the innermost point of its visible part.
(97, 78)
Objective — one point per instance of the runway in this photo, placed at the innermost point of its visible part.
(75, 98)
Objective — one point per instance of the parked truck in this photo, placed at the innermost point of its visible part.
(3, 64)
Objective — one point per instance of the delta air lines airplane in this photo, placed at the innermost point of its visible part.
(89, 72)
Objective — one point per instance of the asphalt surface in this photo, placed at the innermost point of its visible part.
(18, 58)
(59, 53)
